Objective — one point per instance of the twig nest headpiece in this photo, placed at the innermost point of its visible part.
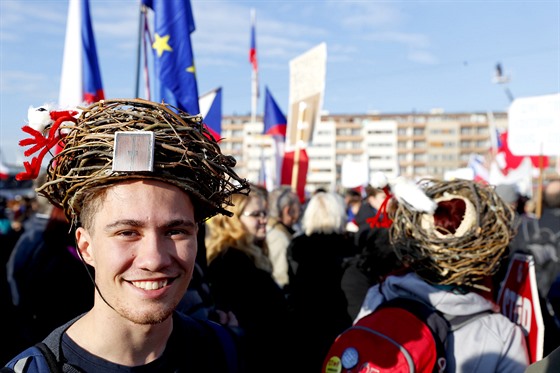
(183, 153)
(462, 241)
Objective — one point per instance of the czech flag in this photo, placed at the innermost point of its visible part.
(81, 78)
(211, 110)
(508, 161)
(4, 171)
(253, 48)
(274, 120)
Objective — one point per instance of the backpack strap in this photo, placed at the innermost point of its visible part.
(48, 363)
(54, 367)
(217, 337)
(228, 343)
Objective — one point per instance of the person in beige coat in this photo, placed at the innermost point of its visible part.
(284, 210)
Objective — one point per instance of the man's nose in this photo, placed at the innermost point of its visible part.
(153, 253)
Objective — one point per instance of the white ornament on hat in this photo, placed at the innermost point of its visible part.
(412, 195)
(39, 117)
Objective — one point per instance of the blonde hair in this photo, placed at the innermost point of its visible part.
(224, 233)
(325, 213)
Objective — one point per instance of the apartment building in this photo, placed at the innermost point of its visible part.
(413, 145)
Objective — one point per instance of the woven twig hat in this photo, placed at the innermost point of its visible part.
(462, 241)
(166, 144)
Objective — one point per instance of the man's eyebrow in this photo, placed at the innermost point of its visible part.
(124, 223)
(179, 222)
(139, 224)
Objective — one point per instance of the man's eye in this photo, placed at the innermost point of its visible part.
(186, 232)
(126, 233)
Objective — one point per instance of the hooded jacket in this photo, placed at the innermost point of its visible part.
(491, 343)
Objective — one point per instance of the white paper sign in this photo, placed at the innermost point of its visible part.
(534, 126)
(354, 173)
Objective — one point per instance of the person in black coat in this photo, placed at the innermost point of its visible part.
(240, 277)
(48, 281)
(316, 261)
(376, 260)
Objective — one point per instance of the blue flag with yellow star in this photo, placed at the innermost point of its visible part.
(173, 55)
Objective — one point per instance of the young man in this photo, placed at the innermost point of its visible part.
(136, 178)
(453, 247)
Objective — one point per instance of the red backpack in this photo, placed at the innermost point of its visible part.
(402, 335)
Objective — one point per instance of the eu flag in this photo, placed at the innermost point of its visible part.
(173, 55)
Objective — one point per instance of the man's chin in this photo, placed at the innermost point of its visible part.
(148, 317)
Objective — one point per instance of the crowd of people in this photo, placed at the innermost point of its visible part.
(179, 264)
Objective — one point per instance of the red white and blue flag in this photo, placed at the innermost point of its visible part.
(4, 171)
(275, 126)
(480, 172)
(254, 69)
(253, 48)
(509, 162)
(274, 120)
(211, 110)
(81, 78)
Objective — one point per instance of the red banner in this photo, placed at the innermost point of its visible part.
(519, 302)
(288, 171)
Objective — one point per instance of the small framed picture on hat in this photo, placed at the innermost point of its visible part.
(133, 151)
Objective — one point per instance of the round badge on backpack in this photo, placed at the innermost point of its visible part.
(333, 365)
(350, 358)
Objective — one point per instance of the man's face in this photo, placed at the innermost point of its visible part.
(142, 245)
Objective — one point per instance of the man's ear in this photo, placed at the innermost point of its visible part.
(83, 242)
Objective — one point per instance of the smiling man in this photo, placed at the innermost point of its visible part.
(136, 178)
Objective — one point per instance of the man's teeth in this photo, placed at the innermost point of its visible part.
(149, 285)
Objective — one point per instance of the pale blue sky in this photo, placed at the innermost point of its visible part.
(385, 56)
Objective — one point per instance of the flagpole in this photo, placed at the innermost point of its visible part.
(254, 98)
(263, 168)
(139, 48)
(538, 208)
(300, 127)
(254, 78)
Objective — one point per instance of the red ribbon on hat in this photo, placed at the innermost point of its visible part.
(381, 219)
(39, 141)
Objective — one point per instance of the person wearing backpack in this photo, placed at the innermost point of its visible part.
(452, 235)
(135, 178)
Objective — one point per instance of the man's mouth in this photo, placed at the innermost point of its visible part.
(149, 285)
